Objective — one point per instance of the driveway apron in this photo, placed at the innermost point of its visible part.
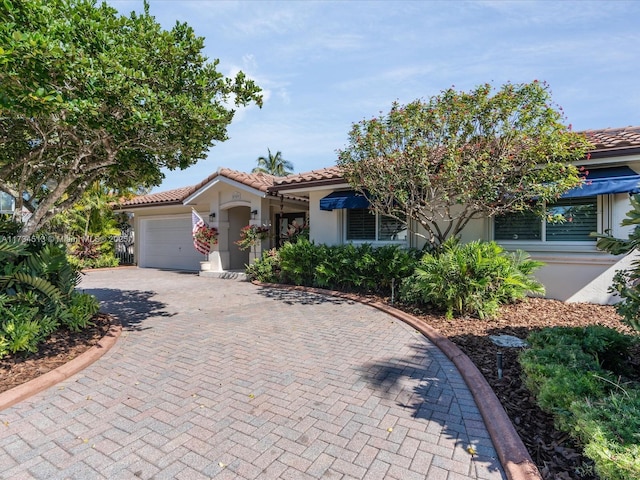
(217, 378)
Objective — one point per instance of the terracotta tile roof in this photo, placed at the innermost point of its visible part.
(259, 181)
(614, 138)
(169, 197)
(322, 176)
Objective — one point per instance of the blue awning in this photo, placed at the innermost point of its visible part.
(604, 181)
(344, 199)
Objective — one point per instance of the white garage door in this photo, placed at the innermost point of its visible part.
(168, 243)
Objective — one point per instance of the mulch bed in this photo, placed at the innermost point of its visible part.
(555, 454)
(59, 349)
(557, 457)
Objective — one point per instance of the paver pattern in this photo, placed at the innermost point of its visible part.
(216, 378)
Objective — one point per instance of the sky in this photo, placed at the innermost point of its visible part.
(325, 65)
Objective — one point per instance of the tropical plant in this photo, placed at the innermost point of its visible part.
(360, 268)
(87, 94)
(626, 283)
(273, 165)
(471, 279)
(463, 155)
(39, 294)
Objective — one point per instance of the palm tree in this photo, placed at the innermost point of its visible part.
(274, 165)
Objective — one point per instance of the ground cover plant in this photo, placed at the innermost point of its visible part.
(581, 377)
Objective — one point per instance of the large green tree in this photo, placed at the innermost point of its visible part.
(87, 94)
(273, 165)
(461, 155)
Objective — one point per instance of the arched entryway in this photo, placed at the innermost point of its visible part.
(238, 217)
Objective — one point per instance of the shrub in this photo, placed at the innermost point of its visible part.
(471, 279)
(266, 269)
(361, 268)
(564, 369)
(299, 260)
(38, 285)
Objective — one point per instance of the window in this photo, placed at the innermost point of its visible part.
(363, 225)
(580, 219)
(7, 203)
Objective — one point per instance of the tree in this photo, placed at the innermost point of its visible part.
(88, 95)
(462, 155)
(273, 165)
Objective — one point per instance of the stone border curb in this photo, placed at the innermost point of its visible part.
(57, 375)
(512, 453)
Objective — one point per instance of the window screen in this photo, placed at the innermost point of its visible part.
(580, 219)
(518, 226)
(361, 224)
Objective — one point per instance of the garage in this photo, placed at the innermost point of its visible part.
(167, 242)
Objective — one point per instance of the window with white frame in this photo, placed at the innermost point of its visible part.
(7, 203)
(567, 220)
(364, 225)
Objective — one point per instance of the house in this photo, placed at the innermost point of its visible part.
(575, 270)
(227, 200)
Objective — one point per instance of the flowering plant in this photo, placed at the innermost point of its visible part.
(207, 234)
(251, 235)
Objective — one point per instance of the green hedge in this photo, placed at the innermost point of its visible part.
(360, 268)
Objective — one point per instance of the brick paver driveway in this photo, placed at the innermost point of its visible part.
(220, 378)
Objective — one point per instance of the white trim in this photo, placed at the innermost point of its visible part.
(234, 203)
(228, 181)
(302, 189)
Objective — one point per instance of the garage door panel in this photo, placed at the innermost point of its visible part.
(168, 243)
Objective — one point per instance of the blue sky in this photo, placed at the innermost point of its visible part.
(326, 65)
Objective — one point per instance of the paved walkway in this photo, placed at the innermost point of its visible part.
(216, 378)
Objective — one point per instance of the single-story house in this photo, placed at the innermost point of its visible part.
(575, 270)
(227, 200)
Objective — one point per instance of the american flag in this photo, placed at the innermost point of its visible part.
(198, 223)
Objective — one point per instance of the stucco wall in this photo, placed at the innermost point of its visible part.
(326, 226)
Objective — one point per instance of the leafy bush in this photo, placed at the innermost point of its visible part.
(39, 295)
(298, 261)
(102, 261)
(564, 369)
(266, 269)
(361, 268)
(471, 279)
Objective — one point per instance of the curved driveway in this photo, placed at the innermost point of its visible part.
(215, 378)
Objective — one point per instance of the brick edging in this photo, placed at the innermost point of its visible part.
(26, 390)
(512, 453)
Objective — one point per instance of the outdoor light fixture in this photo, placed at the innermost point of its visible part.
(212, 216)
(254, 213)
